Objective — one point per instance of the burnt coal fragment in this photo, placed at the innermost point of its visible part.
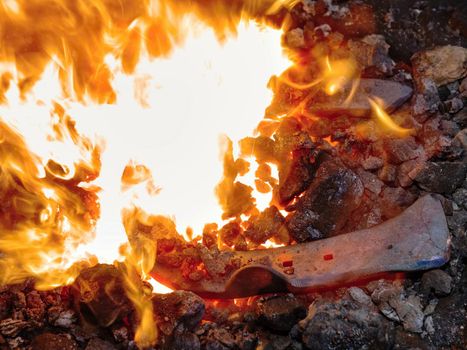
(327, 204)
(299, 174)
(440, 177)
(180, 309)
(280, 313)
(99, 295)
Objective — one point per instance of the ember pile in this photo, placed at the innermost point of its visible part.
(369, 118)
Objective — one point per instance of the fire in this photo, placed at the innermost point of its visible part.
(109, 108)
(385, 120)
(113, 110)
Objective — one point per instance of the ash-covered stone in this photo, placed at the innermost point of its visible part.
(438, 281)
(280, 313)
(409, 311)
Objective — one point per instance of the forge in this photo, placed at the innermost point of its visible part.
(247, 174)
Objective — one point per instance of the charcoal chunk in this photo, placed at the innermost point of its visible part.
(296, 176)
(327, 204)
(180, 309)
(280, 313)
(440, 177)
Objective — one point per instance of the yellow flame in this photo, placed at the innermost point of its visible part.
(338, 73)
(385, 120)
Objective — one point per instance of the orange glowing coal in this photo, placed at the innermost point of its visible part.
(115, 109)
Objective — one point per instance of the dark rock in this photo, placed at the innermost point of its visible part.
(460, 197)
(99, 295)
(461, 118)
(326, 205)
(426, 99)
(179, 309)
(50, 341)
(449, 319)
(218, 338)
(280, 313)
(345, 324)
(440, 177)
(453, 105)
(276, 342)
(442, 64)
(99, 344)
(458, 221)
(437, 280)
(412, 26)
(185, 341)
(393, 94)
(295, 176)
